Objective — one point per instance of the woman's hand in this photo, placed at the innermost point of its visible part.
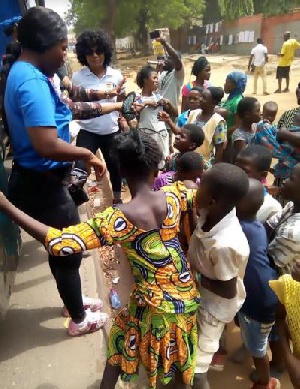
(119, 90)
(99, 167)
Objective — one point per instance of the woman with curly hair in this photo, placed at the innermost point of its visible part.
(94, 51)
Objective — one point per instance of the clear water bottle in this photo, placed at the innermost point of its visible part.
(114, 299)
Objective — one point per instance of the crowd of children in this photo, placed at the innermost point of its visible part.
(206, 241)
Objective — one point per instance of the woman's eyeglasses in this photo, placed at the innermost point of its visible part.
(93, 51)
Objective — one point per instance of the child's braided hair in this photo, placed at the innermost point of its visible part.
(138, 153)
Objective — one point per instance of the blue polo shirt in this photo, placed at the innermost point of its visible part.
(31, 101)
(261, 302)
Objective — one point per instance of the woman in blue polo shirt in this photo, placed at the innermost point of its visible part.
(38, 124)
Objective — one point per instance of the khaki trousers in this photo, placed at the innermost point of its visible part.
(259, 71)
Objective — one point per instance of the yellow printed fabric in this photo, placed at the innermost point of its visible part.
(288, 293)
(158, 328)
(288, 50)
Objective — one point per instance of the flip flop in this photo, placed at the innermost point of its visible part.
(127, 112)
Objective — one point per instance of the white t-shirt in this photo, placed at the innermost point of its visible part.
(259, 52)
(106, 124)
(220, 254)
(285, 247)
(170, 85)
(269, 208)
(150, 125)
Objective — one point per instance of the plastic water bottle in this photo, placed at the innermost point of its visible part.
(114, 299)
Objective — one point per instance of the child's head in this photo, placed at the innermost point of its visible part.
(190, 137)
(270, 110)
(222, 188)
(248, 110)
(147, 78)
(248, 207)
(290, 189)
(189, 167)
(138, 155)
(255, 160)
(211, 97)
(194, 97)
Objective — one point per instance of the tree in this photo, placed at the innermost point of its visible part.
(234, 9)
(133, 16)
(212, 12)
(279, 7)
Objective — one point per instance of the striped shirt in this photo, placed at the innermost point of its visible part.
(284, 249)
(287, 118)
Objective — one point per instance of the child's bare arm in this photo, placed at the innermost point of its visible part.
(225, 289)
(36, 229)
(165, 117)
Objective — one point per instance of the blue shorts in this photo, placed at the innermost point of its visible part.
(255, 335)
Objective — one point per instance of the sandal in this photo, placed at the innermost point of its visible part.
(127, 112)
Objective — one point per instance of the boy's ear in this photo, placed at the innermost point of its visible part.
(264, 174)
(192, 146)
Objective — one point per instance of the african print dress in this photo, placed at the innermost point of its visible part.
(158, 328)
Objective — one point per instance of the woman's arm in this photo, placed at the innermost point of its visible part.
(290, 137)
(80, 94)
(86, 110)
(219, 150)
(45, 141)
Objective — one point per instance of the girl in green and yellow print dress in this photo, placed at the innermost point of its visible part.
(158, 328)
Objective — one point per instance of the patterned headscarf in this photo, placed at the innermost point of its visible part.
(240, 80)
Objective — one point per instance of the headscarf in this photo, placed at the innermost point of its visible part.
(240, 80)
(199, 65)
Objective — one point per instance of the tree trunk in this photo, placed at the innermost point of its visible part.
(142, 32)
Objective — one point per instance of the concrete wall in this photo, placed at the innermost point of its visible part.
(274, 27)
(251, 23)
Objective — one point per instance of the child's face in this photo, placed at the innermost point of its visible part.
(255, 115)
(290, 189)
(204, 196)
(182, 141)
(247, 164)
(269, 114)
(194, 99)
(229, 85)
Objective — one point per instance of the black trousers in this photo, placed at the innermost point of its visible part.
(93, 142)
(46, 198)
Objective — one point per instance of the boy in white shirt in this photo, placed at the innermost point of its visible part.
(256, 161)
(218, 252)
